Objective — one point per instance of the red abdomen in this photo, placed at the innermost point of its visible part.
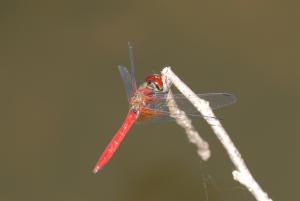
(115, 141)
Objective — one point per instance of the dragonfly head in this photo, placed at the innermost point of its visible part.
(154, 82)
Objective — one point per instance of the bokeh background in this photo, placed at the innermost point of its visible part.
(63, 98)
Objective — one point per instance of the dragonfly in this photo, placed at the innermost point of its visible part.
(149, 102)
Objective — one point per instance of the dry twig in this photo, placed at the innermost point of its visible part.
(192, 134)
(241, 174)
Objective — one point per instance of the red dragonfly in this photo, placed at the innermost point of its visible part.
(149, 102)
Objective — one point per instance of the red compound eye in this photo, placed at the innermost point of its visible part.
(156, 80)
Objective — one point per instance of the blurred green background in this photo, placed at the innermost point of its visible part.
(63, 98)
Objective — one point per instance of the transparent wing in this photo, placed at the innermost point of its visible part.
(131, 61)
(216, 101)
(163, 117)
(127, 81)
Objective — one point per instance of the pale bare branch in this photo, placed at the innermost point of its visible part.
(192, 134)
(241, 174)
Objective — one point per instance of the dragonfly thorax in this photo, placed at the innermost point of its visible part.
(141, 98)
(136, 101)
